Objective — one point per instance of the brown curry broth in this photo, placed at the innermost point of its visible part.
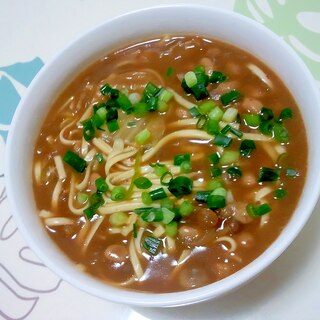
(161, 268)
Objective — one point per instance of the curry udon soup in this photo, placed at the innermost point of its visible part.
(178, 159)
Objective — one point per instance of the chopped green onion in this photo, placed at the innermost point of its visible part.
(259, 210)
(100, 157)
(220, 191)
(118, 219)
(234, 172)
(216, 172)
(280, 133)
(194, 111)
(151, 244)
(125, 103)
(266, 127)
(266, 114)
(168, 215)
(233, 130)
(165, 95)
(222, 140)
(74, 161)
(101, 185)
(150, 90)
(159, 168)
(216, 114)
(140, 108)
(166, 203)
(186, 208)
(166, 178)
(230, 115)
(82, 197)
(214, 158)
(213, 127)
(118, 193)
(113, 125)
(268, 174)
(88, 129)
(157, 194)
(186, 167)
(95, 201)
(231, 96)
(246, 147)
(162, 106)
(180, 186)
(285, 114)
(179, 158)
(143, 136)
(280, 193)
(214, 184)
(292, 173)
(202, 121)
(131, 124)
(252, 120)
(190, 78)
(217, 77)
(229, 156)
(206, 107)
(134, 230)
(112, 114)
(142, 183)
(107, 90)
(169, 71)
(202, 196)
(171, 229)
(216, 201)
(145, 198)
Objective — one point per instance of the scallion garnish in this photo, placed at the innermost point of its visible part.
(202, 196)
(268, 174)
(194, 111)
(166, 178)
(159, 168)
(216, 201)
(280, 133)
(186, 167)
(134, 230)
(180, 186)
(266, 114)
(222, 140)
(186, 208)
(157, 194)
(213, 127)
(171, 229)
(101, 185)
(231, 96)
(74, 161)
(95, 201)
(108, 90)
(292, 173)
(118, 193)
(214, 158)
(280, 193)
(142, 137)
(179, 158)
(234, 172)
(217, 77)
(202, 120)
(113, 125)
(258, 211)
(169, 71)
(142, 183)
(151, 244)
(100, 157)
(246, 147)
(285, 114)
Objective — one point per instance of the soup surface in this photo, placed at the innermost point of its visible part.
(169, 164)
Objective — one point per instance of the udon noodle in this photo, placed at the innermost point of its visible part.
(169, 164)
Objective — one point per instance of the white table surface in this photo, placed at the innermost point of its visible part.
(31, 33)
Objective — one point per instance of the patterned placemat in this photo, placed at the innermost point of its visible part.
(32, 32)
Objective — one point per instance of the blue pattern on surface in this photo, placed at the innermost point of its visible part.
(22, 73)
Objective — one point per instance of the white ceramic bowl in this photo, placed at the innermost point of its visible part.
(185, 19)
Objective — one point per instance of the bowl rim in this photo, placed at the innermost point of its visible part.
(141, 298)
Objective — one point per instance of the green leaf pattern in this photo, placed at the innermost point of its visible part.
(296, 21)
